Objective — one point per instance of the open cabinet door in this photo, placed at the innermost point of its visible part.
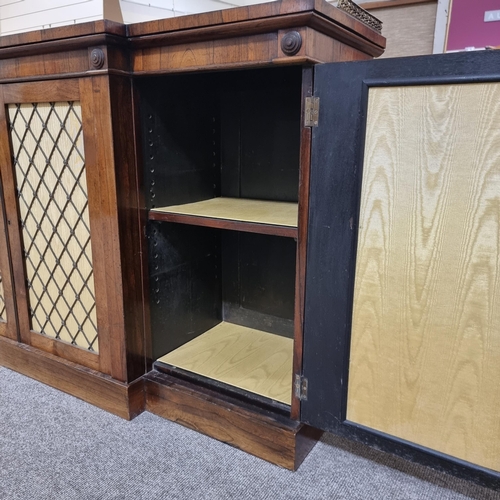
(402, 316)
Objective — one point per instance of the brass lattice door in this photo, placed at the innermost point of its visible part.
(57, 177)
(49, 161)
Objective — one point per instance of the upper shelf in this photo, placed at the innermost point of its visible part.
(254, 216)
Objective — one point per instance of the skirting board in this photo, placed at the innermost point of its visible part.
(124, 400)
(274, 438)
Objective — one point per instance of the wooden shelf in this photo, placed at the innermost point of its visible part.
(252, 360)
(254, 216)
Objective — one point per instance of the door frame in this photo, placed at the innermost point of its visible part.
(336, 173)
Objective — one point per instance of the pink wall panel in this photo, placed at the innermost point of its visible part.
(467, 27)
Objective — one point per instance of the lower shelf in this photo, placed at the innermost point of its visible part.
(249, 359)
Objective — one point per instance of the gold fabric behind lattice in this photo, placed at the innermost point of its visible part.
(49, 161)
(3, 312)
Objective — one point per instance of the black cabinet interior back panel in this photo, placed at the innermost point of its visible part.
(205, 135)
(201, 276)
(180, 140)
(258, 279)
(185, 283)
(260, 134)
(232, 134)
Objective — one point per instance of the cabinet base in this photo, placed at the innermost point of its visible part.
(124, 400)
(266, 435)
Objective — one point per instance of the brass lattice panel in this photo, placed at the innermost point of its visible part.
(3, 315)
(49, 161)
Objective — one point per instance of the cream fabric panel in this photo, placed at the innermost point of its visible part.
(49, 161)
(3, 312)
(246, 358)
(425, 350)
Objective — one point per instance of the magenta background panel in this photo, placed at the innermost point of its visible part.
(467, 27)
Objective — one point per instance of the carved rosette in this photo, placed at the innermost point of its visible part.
(291, 43)
(97, 58)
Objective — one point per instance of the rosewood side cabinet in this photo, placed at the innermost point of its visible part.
(198, 220)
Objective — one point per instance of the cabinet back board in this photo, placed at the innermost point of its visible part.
(202, 136)
(201, 276)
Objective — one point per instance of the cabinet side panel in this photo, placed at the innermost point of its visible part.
(185, 289)
(425, 348)
(49, 165)
(179, 129)
(8, 319)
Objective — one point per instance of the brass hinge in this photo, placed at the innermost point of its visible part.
(311, 112)
(301, 384)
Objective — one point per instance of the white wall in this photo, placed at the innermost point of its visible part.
(443, 11)
(134, 11)
(26, 15)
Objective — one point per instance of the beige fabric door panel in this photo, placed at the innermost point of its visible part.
(425, 348)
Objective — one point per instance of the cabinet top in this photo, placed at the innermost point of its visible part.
(273, 13)
(324, 33)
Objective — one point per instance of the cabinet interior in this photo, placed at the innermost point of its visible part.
(221, 147)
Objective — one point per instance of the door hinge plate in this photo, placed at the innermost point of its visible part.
(301, 385)
(311, 112)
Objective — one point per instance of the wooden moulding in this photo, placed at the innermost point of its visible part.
(63, 32)
(124, 400)
(245, 36)
(254, 19)
(274, 438)
(217, 47)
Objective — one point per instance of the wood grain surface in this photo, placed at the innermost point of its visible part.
(425, 349)
(238, 51)
(246, 358)
(124, 400)
(267, 435)
(302, 230)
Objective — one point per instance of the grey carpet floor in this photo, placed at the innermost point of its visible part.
(54, 446)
